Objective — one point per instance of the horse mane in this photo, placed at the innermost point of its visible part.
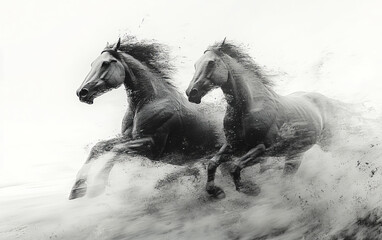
(239, 53)
(154, 55)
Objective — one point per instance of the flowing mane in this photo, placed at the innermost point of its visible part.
(238, 52)
(154, 55)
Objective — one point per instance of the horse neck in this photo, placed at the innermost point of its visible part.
(244, 88)
(141, 83)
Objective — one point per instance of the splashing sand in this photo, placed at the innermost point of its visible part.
(334, 195)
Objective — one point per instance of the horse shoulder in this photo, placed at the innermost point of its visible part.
(258, 124)
(157, 115)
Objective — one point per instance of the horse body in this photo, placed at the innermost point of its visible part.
(257, 115)
(289, 116)
(258, 122)
(180, 125)
(159, 119)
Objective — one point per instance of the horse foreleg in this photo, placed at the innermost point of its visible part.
(102, 177)
(250, 158)
(213, 164)
(133, 146)
(80, 186)
(142, 145)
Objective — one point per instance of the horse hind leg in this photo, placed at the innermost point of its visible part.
(264, 165)
(326, 139)
(292, 163)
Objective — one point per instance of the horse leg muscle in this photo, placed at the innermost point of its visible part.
(292, 163)
(152, 146)
(250, 158)
(213, 164)
(133, 146)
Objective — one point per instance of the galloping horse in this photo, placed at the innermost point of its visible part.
(159, 119)
(257, 122)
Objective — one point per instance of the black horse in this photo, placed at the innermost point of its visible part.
(258, 122)
(159, 119)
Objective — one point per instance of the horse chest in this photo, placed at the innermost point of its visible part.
(233, 126)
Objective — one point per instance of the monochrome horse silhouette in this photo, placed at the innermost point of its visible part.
(159, 119)
(258, 122)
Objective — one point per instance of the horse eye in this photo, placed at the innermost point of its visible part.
(210, 64)
(105, 64)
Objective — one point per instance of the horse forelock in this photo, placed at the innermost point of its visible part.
(112, 52)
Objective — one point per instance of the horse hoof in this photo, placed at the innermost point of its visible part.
(248, 188)
(216, 192)
(78, 190)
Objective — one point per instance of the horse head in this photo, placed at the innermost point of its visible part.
(107, 72)
(210, 72)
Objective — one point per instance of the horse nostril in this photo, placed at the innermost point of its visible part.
(193, 92)
(84, 92)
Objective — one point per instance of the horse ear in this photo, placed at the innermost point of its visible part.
(223, 42)
(116, 47)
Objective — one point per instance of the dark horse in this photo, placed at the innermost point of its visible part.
(258, 122)
(159, 119)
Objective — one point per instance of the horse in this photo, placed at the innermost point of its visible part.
(159, 119)
(258, 122)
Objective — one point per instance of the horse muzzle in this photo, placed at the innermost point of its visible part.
(194, 96)
(84, 96)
